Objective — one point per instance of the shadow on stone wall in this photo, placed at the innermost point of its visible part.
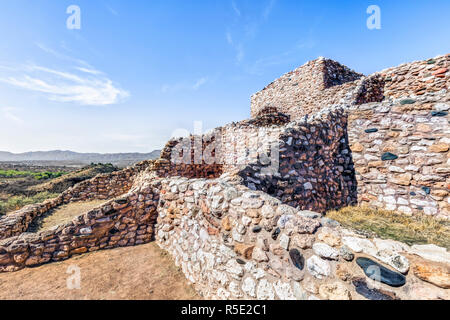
(316, 170)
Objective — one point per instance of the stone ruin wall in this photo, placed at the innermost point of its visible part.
(235, 243)
(305, 164)
(102, 187)
(315, 169)
(408, 106)
(307, 89)
(401, 154)
(124, 221)
(417, 78)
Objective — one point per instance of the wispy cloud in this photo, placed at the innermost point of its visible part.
(247, 27)
(9, 114)
(288, 56)
(110, 9)
(235, 8)
(268, 9)
(200, 82)
(195, 85)
(80, 83)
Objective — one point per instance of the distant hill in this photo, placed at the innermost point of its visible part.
(120, 159)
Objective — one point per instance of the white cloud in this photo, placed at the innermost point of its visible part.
(289, 56)
(247, 27)
(268, 9)
(229, 38)
(184, 85)
(9, 114)
(235, 8)
(85, 86)
(114, 12)
(200, 82)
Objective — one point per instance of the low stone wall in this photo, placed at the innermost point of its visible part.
(235, 243)
(124, 221)
(16, 223)
(401, 154)
(101, 187)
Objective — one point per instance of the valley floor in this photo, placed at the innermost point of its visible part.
(132, 273)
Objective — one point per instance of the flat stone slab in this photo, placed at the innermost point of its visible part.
(431, 252)
(363, 289)
(381, 274)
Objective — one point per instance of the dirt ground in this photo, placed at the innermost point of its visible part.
(63, 214)
(132, 273)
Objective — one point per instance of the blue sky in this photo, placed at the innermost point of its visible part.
(138, 71)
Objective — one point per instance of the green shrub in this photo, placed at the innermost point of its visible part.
(17, 202)
(37, 175)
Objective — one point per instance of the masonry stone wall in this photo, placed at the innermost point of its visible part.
(315, 170)
(401, 111)
(102, 187)
(417, 78)
(235, 243)
(307, 89)
(401, 154)
(125, 221)
(244, 227)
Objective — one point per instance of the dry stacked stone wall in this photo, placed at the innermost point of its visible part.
(244, 227)
(315, 169)
(417, 78)
(307, 89)
(101, 187)
(398, 128)
(401, 154)
(125, 221)
(235, 243)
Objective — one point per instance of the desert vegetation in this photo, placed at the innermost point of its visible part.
(22, 184)
(417, 229)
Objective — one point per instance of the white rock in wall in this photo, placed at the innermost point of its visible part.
(284, 290)
(283, 220)
(318, 268)
(265, 290)
(299, 292)
(267, 211)
(249, 287)
(222, 294)
(237, 236)
(221, 277)
(325, 251)
(259, 255)
(234, 289)
(234, 269)
(406, 210)
(396, 246)
(360, 245)
(284, 241)
(431, 252)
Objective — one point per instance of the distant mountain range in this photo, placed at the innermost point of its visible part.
(82, 158)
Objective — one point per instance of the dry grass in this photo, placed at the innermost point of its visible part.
(63, 215)
(9, 204)
(390, 225)
(132, 273)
